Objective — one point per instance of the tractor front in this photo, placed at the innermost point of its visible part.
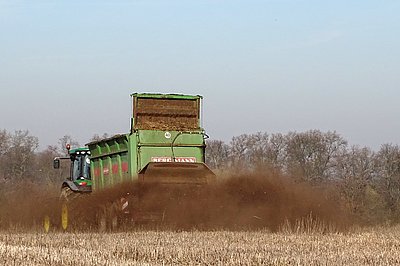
(77, 183)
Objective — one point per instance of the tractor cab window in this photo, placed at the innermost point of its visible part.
(80, 167)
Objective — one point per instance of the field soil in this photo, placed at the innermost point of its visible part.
(377, 246)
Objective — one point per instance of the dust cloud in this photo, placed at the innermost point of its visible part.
(235, 202)
(255, 201)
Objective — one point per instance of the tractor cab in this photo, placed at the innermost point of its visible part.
(79, 179)
(80, 165)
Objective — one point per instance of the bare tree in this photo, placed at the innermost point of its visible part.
(44, 167)
(312, 155)
(266, 151)
(217, 154)
(257, 150)
(5, 140)
(239, 147)
(356, 162)
(388, 167)
(19, 157)
(67, 139)
(356, 170)
(277, 151)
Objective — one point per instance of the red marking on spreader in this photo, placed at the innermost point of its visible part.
(124, 167)
(115, 168)
(96, 172)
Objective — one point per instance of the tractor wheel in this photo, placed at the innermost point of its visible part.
(66, 194)
(64, 216)
(48, 218)
(46, 223)
(65, 198)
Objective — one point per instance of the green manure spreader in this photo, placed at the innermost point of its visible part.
(145, 175)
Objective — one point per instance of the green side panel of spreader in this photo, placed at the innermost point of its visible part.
(110, 162)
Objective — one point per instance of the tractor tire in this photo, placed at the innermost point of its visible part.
(49, 218)
(66, 194)
(46, 223)
(64, 216)
(65, 200)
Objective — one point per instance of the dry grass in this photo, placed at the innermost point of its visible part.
(378, 246)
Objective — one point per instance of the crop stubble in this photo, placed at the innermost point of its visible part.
(370, 247)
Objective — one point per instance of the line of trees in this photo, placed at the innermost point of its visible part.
(369, 181)
(20, 159)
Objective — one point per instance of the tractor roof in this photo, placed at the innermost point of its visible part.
(73, 151)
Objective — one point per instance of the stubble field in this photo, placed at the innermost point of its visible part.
(367, 247)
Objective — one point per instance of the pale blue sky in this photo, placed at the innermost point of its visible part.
(68, 67)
